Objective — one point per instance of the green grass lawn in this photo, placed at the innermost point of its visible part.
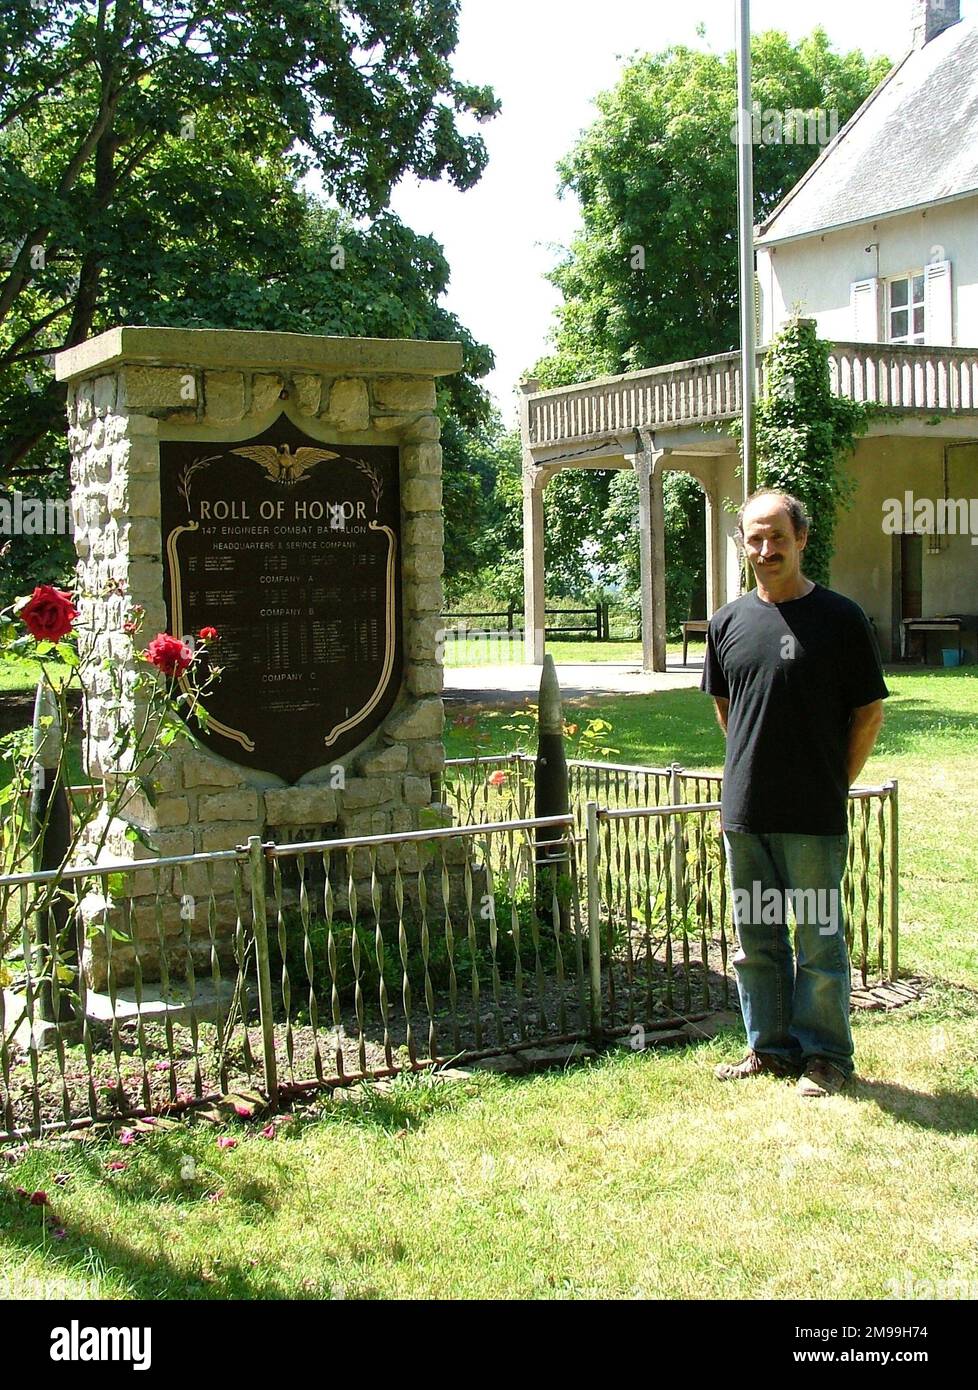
(635, 1175)
(18, 673)
(504, 651)
(475, 651)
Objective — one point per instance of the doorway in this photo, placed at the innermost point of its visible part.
(909, 562)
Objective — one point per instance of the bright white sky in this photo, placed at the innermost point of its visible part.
(546, 61)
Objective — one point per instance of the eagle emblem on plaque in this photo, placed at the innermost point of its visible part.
(290, 548)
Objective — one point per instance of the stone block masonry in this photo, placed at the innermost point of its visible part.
(132, 388)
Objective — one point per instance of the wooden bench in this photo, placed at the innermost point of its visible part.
(694, 625)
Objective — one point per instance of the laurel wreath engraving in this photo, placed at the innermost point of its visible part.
(183, 485)
(376, 482)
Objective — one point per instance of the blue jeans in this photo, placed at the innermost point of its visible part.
(796, 1011)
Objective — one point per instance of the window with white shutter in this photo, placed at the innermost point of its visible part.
(864, 299)
(906, 315)
(938, 311)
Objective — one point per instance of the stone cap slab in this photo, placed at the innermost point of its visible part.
(230, 348)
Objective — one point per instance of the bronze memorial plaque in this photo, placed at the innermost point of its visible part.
(290, 548)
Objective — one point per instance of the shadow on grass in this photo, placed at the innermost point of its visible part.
(946, 1112)
(91, 1250)
(404, 1103)
(152, 1181)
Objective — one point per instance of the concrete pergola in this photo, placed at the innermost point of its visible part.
(678, 417)
(670, 417)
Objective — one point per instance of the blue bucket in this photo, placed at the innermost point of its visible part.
(952, 657)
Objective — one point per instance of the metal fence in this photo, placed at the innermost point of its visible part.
(502, 786)
(349, 958)
(367, 956)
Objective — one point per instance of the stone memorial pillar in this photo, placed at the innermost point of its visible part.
(286, 490)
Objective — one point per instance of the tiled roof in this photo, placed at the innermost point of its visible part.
(913, 142)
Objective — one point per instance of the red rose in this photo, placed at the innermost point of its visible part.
(48, 614)
(208, 634)
(168, 654)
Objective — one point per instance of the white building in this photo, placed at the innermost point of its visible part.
(878, 243)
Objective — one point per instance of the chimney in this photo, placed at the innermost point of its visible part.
(932, 17)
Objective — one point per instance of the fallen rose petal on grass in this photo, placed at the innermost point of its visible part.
(226, 1142)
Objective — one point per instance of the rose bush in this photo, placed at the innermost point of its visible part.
(151, 714)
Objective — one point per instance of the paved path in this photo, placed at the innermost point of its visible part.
(488, 685)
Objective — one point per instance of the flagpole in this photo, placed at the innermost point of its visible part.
(745, 237)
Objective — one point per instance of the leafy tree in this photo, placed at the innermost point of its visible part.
(652, 276)
(151, 154)
(685, 546)
(469, 475)
(502, 531)
(573, 513)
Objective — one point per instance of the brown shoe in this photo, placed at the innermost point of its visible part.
(821, 1078)
(752, 1065)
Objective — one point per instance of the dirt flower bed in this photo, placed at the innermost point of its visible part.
(137, 1069)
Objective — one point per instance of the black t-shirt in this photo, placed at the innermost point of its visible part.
(793, 673)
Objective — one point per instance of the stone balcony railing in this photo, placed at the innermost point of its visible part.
(706, 391)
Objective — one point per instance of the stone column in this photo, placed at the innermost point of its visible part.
(534, 585)
(731, 553)
(652, 546)
(128, 390)
(714, 553)
(535, 479)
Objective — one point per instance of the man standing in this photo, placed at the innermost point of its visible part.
(795, 672)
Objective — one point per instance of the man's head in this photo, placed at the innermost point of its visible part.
(773, 527)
